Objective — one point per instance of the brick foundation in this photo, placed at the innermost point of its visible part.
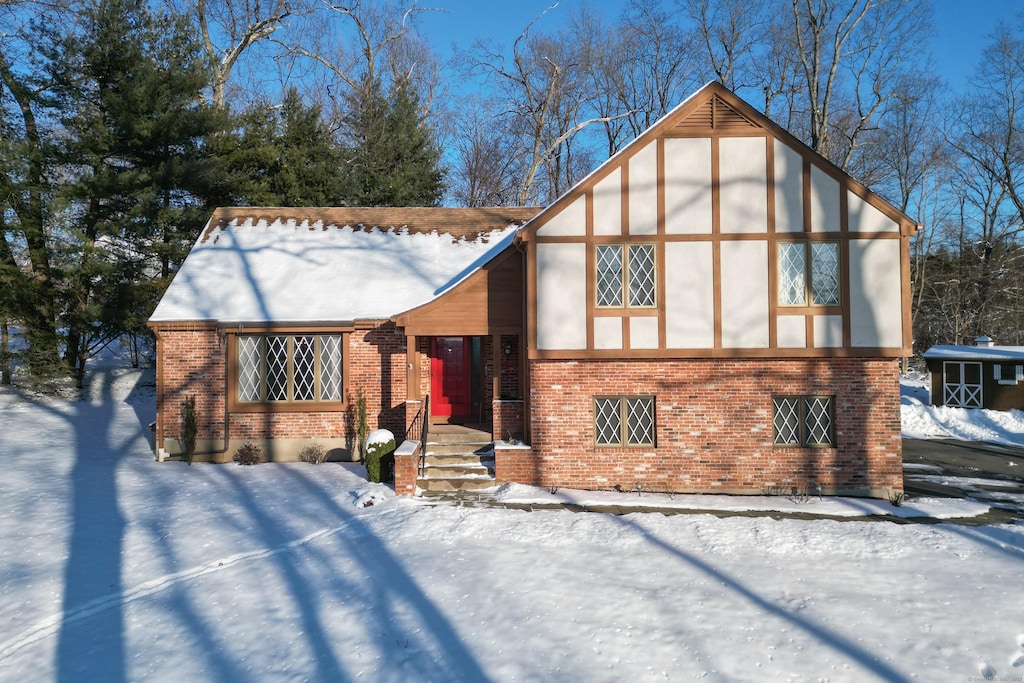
(714, 426)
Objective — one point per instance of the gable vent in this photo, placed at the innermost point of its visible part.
(717, 116)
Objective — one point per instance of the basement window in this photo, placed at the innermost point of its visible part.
(803, 421)
(624, 421)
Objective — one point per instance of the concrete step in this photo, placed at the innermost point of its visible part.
(456, 434)
(442, 459)
(455, 470)
(466, 483)
(457, 448)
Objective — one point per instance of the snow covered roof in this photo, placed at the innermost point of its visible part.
(995, 353)
(331, 265)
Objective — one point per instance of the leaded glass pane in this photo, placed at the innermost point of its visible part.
(640, 421)
(819, 421)
(330, 368)
(277, 368)
(786, 420)
(641, 275)
(825, 273)
(248, 368)
(607, 421)
(304, 370)
(792, 277)
(609, 275)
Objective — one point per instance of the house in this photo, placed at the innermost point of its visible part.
(979, 376)
(716, 308)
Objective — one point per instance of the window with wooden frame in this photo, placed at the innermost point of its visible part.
(803, 421)
(809, 274)
(290, 368)
(624, 421)
(626, 276)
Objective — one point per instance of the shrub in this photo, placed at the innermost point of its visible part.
(314, 454)
(190, 428)
(249, 454)
(897, 498)
(380, 457)
(362, 426)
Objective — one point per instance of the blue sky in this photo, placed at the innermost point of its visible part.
(962, 27)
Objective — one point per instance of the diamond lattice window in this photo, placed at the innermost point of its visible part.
(819, 421)
(626, 275)
(786, 420)
(609, 275)
(303, 369)
(792, 271)
(809, 274)
(640, 421)
(277, 368)
(641, 275)
(330, 368)
(624, 421)
(289, 368)
(825, 273)
(608, 421)
(249, 368)
(803, 421)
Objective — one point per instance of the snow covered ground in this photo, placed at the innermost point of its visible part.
(118, 568)
(924, 421)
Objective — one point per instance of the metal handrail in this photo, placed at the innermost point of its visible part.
(423, 435)
(421, 424)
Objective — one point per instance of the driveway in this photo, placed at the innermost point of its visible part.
(945, 467)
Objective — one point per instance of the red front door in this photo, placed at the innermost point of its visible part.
(449, 373)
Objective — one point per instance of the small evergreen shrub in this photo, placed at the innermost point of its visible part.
(314, 453)
(380, 461)
(249, 454)
(190, 428)
(362, 425)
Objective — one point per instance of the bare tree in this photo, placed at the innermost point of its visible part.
(545, 97)
(730, 33)
(362, 45)
(484, 170)
(850, 54)
(639, 67)
(231, 28)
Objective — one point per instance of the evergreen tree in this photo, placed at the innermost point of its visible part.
(282, 156)
(128, 86)
(395, 160)
(27, 281)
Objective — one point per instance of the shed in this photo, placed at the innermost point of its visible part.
(979, 376)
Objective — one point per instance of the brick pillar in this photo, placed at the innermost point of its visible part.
(407, 466)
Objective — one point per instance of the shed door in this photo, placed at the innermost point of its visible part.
(449, 367)
(961, 384)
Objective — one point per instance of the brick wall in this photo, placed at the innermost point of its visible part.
(192, 362)
(508, 420)
(714, 426)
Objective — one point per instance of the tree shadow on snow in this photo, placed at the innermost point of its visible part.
(841, 644)
(379, 579)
